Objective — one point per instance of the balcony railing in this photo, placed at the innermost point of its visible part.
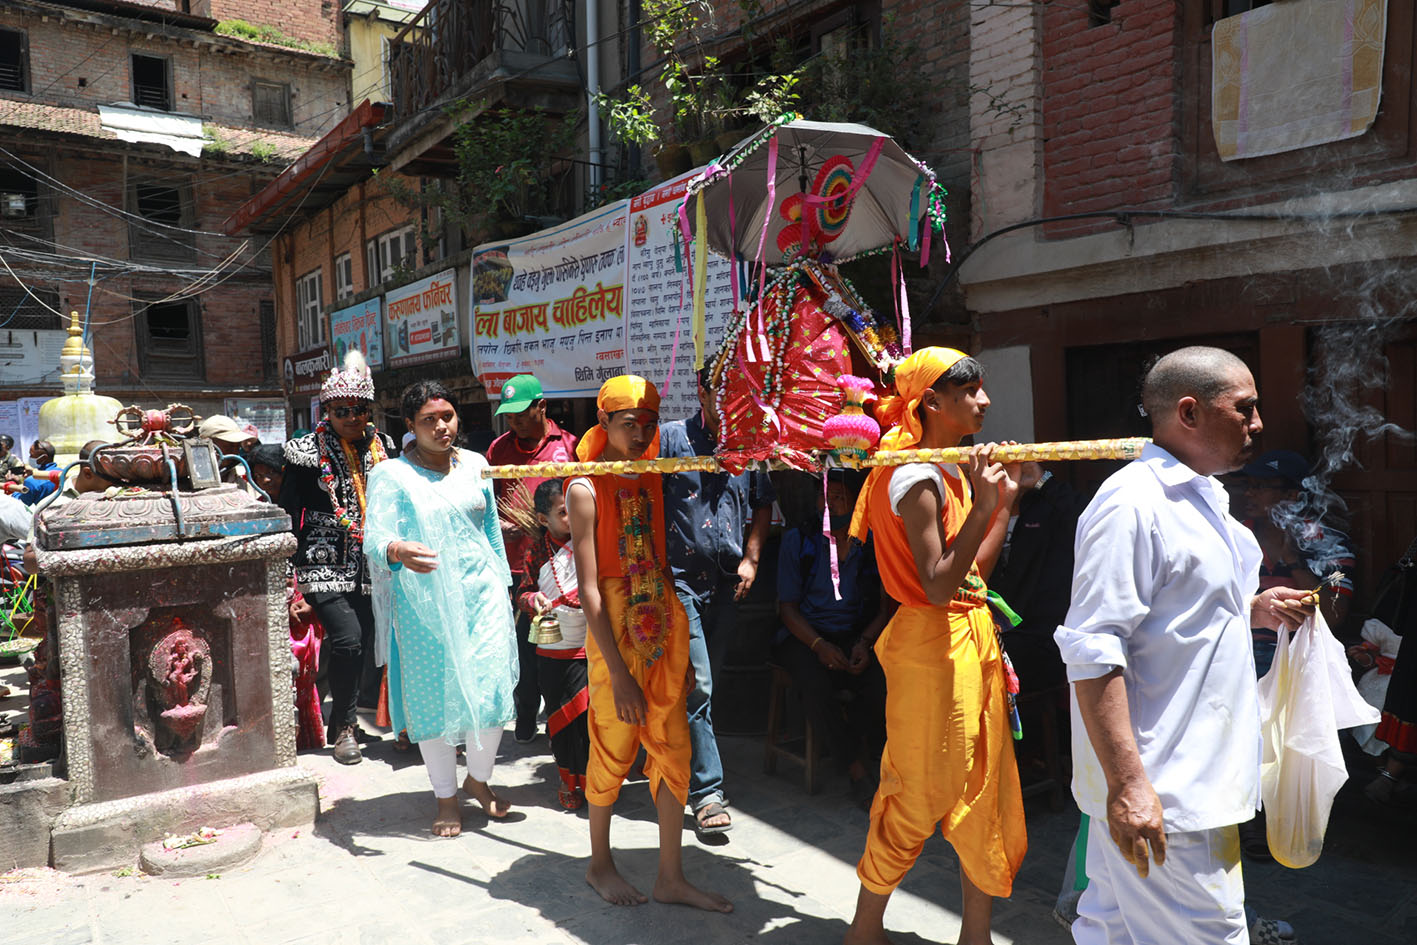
(439, 51)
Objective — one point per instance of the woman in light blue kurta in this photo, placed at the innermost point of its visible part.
(441, 606)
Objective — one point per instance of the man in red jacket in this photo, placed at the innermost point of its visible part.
(532, 437)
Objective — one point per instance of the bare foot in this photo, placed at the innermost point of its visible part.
(612, 886)
(855, 936)
(680, 891)
(482, 792)
(448, 821)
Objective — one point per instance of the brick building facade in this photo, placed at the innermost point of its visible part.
(1107, 112)
(128, 131)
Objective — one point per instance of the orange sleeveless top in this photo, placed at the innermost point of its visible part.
(611, 533)
(899, 576)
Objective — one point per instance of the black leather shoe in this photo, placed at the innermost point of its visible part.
(347, 747)
(526, 731)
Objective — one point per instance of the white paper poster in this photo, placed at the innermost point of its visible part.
(29, 423)
(359, 326)
(267, 416)
(660, 300)
(552, 304)
(30, 356)
(421, 320)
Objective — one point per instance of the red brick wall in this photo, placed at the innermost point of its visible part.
(314, 21)
(1109, 110)
(362, 213)
(215, 85)
(229, 312)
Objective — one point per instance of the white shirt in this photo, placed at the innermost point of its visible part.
(1161, 588)
(906, 476)
(558, 575)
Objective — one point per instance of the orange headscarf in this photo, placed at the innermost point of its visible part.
(900, 413)
(626, 392)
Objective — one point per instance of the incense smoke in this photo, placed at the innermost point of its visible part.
(1348, 366)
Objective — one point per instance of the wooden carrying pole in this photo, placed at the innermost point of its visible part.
(1129, 448)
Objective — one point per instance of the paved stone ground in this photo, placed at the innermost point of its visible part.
(369, 872)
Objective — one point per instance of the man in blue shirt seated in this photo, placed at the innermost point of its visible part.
(41, 460)
(825, 643)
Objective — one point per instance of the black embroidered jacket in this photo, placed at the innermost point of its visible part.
(326, 558)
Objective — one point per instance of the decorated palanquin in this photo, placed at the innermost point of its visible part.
(776, 377)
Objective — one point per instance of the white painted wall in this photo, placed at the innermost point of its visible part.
(1008, 381)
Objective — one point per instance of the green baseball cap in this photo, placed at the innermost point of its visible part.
(519, 393)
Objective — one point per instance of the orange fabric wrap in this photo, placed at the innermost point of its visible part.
(665, 734)
(898, 413)
(949, 756)
(899, 575)
(949, 759)
(626, 392)
(608, 527)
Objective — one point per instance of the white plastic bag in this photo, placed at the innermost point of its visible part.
(1305, 698)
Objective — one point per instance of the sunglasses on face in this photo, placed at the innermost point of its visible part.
(344, 413)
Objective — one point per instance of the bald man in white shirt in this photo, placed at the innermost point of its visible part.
(1166, 723)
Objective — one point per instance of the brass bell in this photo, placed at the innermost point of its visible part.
(545, 630)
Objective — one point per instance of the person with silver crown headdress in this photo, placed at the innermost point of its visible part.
(323, 491)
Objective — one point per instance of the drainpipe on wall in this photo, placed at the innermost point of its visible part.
(592, 30)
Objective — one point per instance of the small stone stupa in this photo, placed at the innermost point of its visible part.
(79, 415)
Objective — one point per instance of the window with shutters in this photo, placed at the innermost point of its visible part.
(396, 249)
(170, 341)
(152, 82)
(344, 277)
(268, 339)
(270, 103)
(162, 215)
(310, 303)
(14, 66)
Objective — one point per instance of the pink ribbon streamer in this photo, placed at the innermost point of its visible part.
(733, 243)
(831, 539)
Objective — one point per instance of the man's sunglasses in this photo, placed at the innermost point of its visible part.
(344, 413)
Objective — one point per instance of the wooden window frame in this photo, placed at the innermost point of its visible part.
(167, 80)
(285, 120)
(156, 363)
(24, 62)
(157, 240)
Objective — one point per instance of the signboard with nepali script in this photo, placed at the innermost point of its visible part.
(552, 304)
(305, 370)
(359, 326)
(421, 320)
(657, 320)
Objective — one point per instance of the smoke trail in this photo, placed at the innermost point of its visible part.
(1349, 365)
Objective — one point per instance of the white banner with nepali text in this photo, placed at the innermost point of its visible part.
(552, 304)
(657, 319)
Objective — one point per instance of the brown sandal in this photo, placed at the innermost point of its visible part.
(402, 743)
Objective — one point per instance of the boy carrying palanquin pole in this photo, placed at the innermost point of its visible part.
(948, 759)
(637, 649)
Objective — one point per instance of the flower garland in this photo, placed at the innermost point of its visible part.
(646, 613)
(343, 516)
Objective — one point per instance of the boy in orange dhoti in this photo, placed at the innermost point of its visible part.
(637, 649)
(948, 758)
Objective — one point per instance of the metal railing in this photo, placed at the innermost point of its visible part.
(439, 49)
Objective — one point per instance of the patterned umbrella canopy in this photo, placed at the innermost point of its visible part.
(839, 190)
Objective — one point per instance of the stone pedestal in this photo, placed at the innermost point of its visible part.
(175, 669)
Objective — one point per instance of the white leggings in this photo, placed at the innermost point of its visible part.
(441, 760)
